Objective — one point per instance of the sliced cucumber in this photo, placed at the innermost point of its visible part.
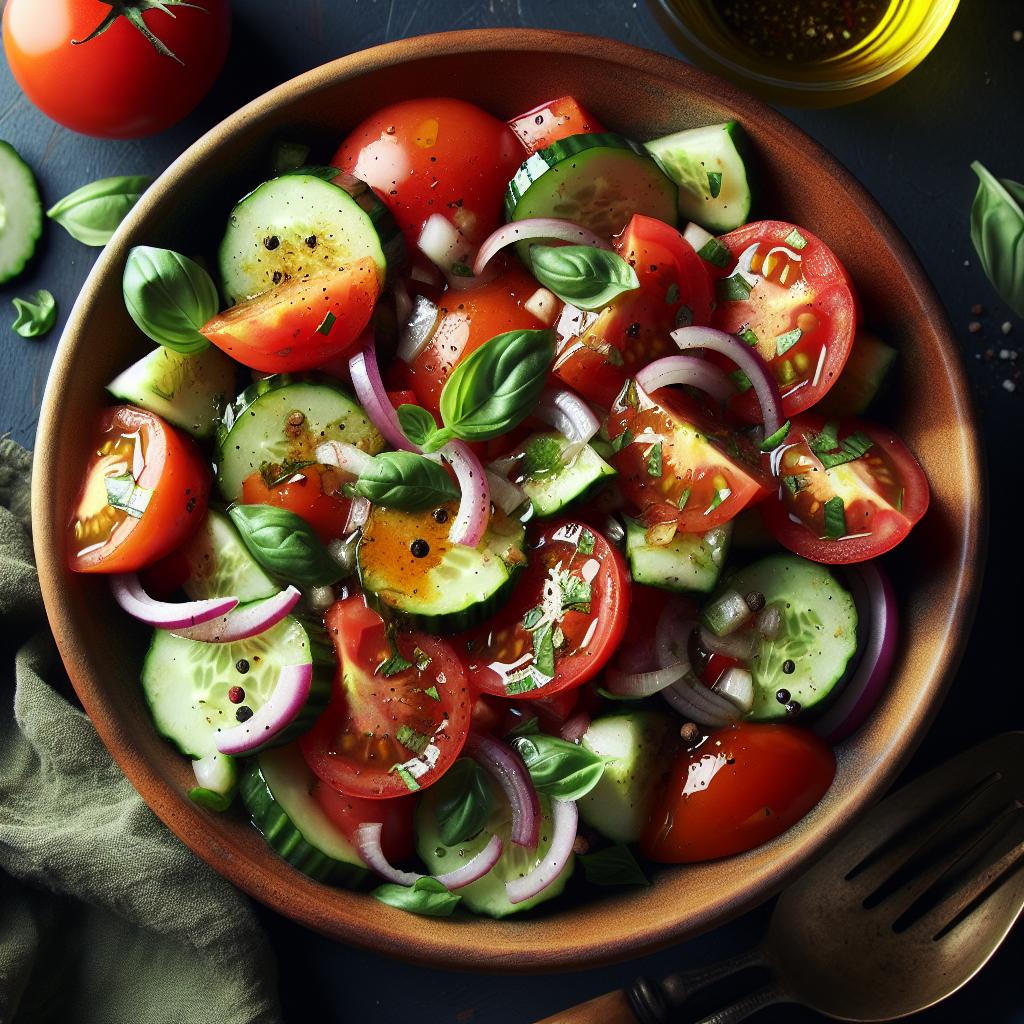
(689, 562)
(552, 484)
(706, 165)
(21, 213)
(276, 792)
(256, 433)
(186, 683)
(407, 563)
(188, 390)
(218, 778)
(863, 377)
(487, 895)
(299, 224)
(598, 181)
(220, 564)
(637, 748)
(817, 639)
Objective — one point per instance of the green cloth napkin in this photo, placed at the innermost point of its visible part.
(104, 916)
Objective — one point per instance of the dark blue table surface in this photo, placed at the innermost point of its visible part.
(911, 146)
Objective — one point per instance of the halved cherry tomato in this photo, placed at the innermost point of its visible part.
(144, 492)
(389, 729)
(672, 461)
(563, 622)
(313, 493)
(347, 813)
(788, 296)
(837, 511)
(549, 122)
(675, 290)
(300, 324)
(427, 156)
(740, 788)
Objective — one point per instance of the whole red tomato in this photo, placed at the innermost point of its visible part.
(116, 70)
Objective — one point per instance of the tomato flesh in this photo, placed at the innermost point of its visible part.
(551, 121)
(742, 787)
(347, 813)
(313, 493)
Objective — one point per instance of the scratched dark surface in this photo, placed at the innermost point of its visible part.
(911, 147)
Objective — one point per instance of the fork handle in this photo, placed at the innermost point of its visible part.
(747, 1006)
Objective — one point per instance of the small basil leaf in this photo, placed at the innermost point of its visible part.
(997, 231)
(559, 769)
(170, 297)
(614, 865)
(91, 214)
(496, 387)
(285, 545)
(406, 481)
(427, 897)
(464, 801)
(583, 275)
(36, 316)
(417, 424)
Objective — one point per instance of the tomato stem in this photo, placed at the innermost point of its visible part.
(132, 10)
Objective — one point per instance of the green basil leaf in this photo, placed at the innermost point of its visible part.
(997, 231)
(614, 865)
(170, 297)
(406, 481)
(427, 897)
(582, 274)
(417, 424)
(91, 214)
(496, 387)
(559, 769)
(464, 802)
(834, 511)
(36, 316)
(285, 544)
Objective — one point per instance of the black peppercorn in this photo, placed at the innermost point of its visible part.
(789, 666)
(755, 601)
(271, 242)
(440, 515)
(782, 696)
(242, 665)
(420, 548)
(244, 713)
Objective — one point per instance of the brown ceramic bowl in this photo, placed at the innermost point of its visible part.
(645, 95)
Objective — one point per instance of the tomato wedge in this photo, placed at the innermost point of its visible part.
(400, 710)
(599, 354)
(551, 121)
(564, 621)
(673, 463)
(301, 323)
(347, 813)
(847, 491)
(144, 492)
(312, 493)
(787, 295)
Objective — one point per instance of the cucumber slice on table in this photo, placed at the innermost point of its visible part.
(21, 213)
(818, 634)
(186, 683)
(256, 434)
(299, 224)
(407, 563)
(487, 895)
(188, 390)
(220, 564)
(276, 792)
(551, 484)
(598, 181)
(707, 166)
(690, 562)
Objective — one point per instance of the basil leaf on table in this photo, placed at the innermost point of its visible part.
(91, 214)
(36, 316)
(170, 297)
(427, 897)
(582, 274)
(406, 481)
(997, 231)
(496, 387)
(559, 769)
(464, 802)
(285, 545)
(615, 865)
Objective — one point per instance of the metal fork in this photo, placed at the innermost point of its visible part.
(901, 914)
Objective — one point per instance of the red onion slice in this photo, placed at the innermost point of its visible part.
(691, 699)
(531, 228)
(643, 684)
(369, 388)
(575, 727)
(672, 633)
(747, 360)
(130, 595)
(345, 456)
(475, 505)
(473, 869)
(505, 494)
(570, 416)
(566, 819)
(508, 770)
(244, 621)
(442, 243)
(403, 302)
(280, 710)
(358, 513)
(417, 329)
(697, 373)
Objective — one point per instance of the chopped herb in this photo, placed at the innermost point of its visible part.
(532, 617)
(769, 444)
(544, 650)
(654, 461)
(835, 518)
(672, 294)
(543, 457)
(612, 356)
(125, 494)
(412, 740)
(585, 545)
(715, 253)
(274, 473)
(431, 692)
(721, 493)
(784, 342)
(462, 270)
(795, 240)
(899, 501)
(576, 593)
(714, 183)
(795, 482)
(393, 666)
(684, 499)
(522, 682)
(733, 289)
(749, 337)
(850, 448)
(421, 658)
(630, 396)
(326, 324)
(620, 442)
(741, 380)
(527, 727)
(684, 316)
(406, 776)
(827, 440)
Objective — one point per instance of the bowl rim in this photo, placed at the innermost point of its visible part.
(459, 946)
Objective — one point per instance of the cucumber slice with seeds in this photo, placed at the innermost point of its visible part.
(690, 562)
(553, 485)
(220, 564)
(21, 213)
